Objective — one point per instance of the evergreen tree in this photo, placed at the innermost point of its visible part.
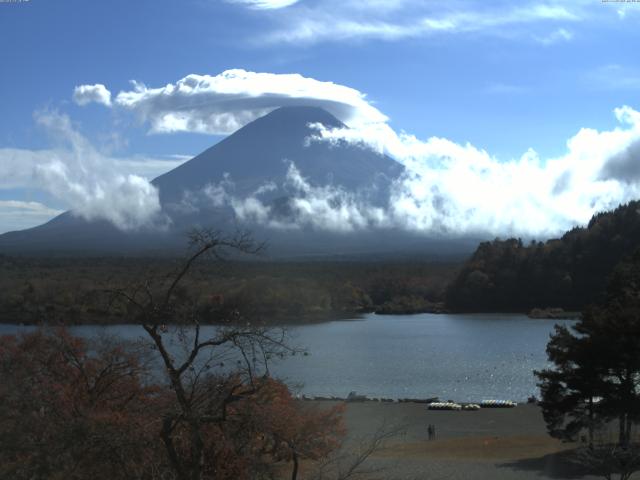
(596, 378)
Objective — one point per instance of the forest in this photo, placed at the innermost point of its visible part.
(76, 290)
(569, 273)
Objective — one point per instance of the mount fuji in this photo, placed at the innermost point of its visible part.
(255, 179)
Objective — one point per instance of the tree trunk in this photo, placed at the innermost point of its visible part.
(197, 451)
(174, 460)
(294, 473)
(590, 423)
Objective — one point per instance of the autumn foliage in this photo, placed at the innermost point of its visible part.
(73, 410)
(68, 413)
(289, 430)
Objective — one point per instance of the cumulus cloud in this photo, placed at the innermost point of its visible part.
(299, 205)
(324, 207)
(223, 103)
(452, 189)
(624, 166)
(459, 189)
(98, 93)
(94, 186)
(265, 4)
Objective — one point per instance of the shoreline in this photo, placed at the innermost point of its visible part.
(12, 319)
(422, 401)
(501, 444)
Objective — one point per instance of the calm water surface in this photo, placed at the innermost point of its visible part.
(458, 357)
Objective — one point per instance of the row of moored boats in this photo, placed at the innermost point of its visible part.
(472, 406)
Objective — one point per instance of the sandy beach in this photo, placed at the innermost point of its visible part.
(505, 444)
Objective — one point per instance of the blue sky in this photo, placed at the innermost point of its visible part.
(502, 76)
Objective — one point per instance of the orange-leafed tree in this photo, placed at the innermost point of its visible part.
(70, 411)
(289, 430)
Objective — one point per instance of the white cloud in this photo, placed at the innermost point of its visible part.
(459, 189)
(626, 11)
(29, 208)
(18, 165)
(98, 93)
(333, 20)
(223, 103)
(148, 167)
(93, 186)
(559, 35)
(454, 190)
(18, 215)
(448, 188)
(265, 4)
(325, 207)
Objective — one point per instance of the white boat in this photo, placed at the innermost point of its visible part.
(498, 404)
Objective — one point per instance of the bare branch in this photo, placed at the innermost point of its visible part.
(346, 464)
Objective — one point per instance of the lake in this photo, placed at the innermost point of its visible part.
(463, 357)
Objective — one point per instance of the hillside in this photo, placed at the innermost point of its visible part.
(570, 272)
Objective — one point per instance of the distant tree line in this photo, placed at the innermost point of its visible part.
(75, 290)
(570, 272)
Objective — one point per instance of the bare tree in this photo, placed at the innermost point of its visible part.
(203, 386)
